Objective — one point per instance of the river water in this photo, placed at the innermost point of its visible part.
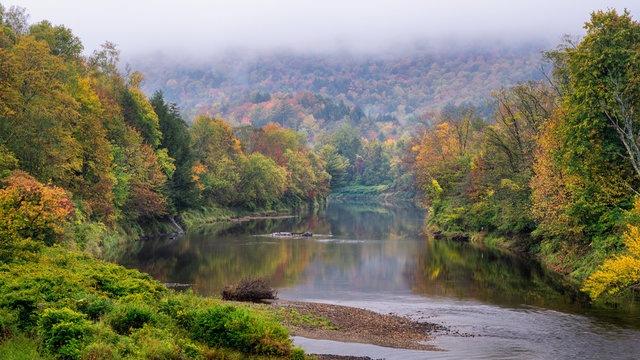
(501, 305)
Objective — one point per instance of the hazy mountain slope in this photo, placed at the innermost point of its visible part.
(404, 84)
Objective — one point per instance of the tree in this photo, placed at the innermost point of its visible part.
(140, 186)
(376, 165)
(274, 140)
(17, 19)
(177, 140)
(60, 39)
(31, 215)
(307, 178)
(216, 171)
(337, 165)
(138, 113)
(262, 181)
(348, 143)
(605, 101)
(38, 116)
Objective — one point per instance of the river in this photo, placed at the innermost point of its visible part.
(374, 256)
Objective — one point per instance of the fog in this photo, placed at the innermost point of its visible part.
(204, 27)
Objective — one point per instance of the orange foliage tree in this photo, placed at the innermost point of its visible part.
(31, 215)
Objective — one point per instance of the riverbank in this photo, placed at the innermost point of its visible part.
(349, 324)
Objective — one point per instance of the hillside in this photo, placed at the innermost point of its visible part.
(405, 84)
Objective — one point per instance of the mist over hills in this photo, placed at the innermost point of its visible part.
(405, 84)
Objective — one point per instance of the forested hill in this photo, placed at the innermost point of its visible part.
(404, 84)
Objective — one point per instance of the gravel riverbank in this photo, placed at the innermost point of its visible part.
(349, 324)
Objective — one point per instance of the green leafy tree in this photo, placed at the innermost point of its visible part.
(217, 151)
(176, 138)
(262, 181)
(37, 114)
(60, 39)
(376, 165)
(336, 165)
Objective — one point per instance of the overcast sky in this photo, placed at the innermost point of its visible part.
(139, 26)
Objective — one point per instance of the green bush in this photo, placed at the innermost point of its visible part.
(181, 307)
(8, 321)
(64, 332)
(96, 307)
(131, 316)
(155, 343)
(242, 329)
(297, 354)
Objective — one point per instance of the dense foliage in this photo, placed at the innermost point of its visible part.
(404, 83)
(77, 307)
(79, 124)
(556, 168)
(73, 306)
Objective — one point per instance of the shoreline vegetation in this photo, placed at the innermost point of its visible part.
(70, 305)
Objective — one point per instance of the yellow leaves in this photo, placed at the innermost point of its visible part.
(621, 271)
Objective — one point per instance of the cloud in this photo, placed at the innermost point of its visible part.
(204, 27)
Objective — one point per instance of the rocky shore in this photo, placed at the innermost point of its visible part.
(349, 324)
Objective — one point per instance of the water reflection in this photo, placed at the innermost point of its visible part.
(362, 249)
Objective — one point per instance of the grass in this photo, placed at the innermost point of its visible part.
(292, 316)
(21, 348)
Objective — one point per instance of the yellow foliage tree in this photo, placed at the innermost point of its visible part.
(621, 271)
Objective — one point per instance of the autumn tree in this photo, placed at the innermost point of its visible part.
(274, 140)
(217, 151)
(38, 115)
(140, 180)
(598, 186)
(32, 215)
(261, 183)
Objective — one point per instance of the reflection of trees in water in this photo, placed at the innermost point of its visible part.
(373, 220)
(448, 268)
(225, 252)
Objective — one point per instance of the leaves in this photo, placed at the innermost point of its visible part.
(31, 215)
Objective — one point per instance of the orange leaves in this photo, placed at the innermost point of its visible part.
(435, 154)
(31, 214)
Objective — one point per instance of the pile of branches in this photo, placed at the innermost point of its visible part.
(253, 290)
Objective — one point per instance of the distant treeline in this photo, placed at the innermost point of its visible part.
(406, 84)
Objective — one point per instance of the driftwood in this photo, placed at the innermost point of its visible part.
(253, 290)
(177, 286)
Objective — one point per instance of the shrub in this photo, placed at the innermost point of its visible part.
(249, 290)
(96, 307)
(155, 343)
(131, 316)
(181, 307)
(242, 329)
(8, 321)
(100, 351)
(64, 332)
(297, 354)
